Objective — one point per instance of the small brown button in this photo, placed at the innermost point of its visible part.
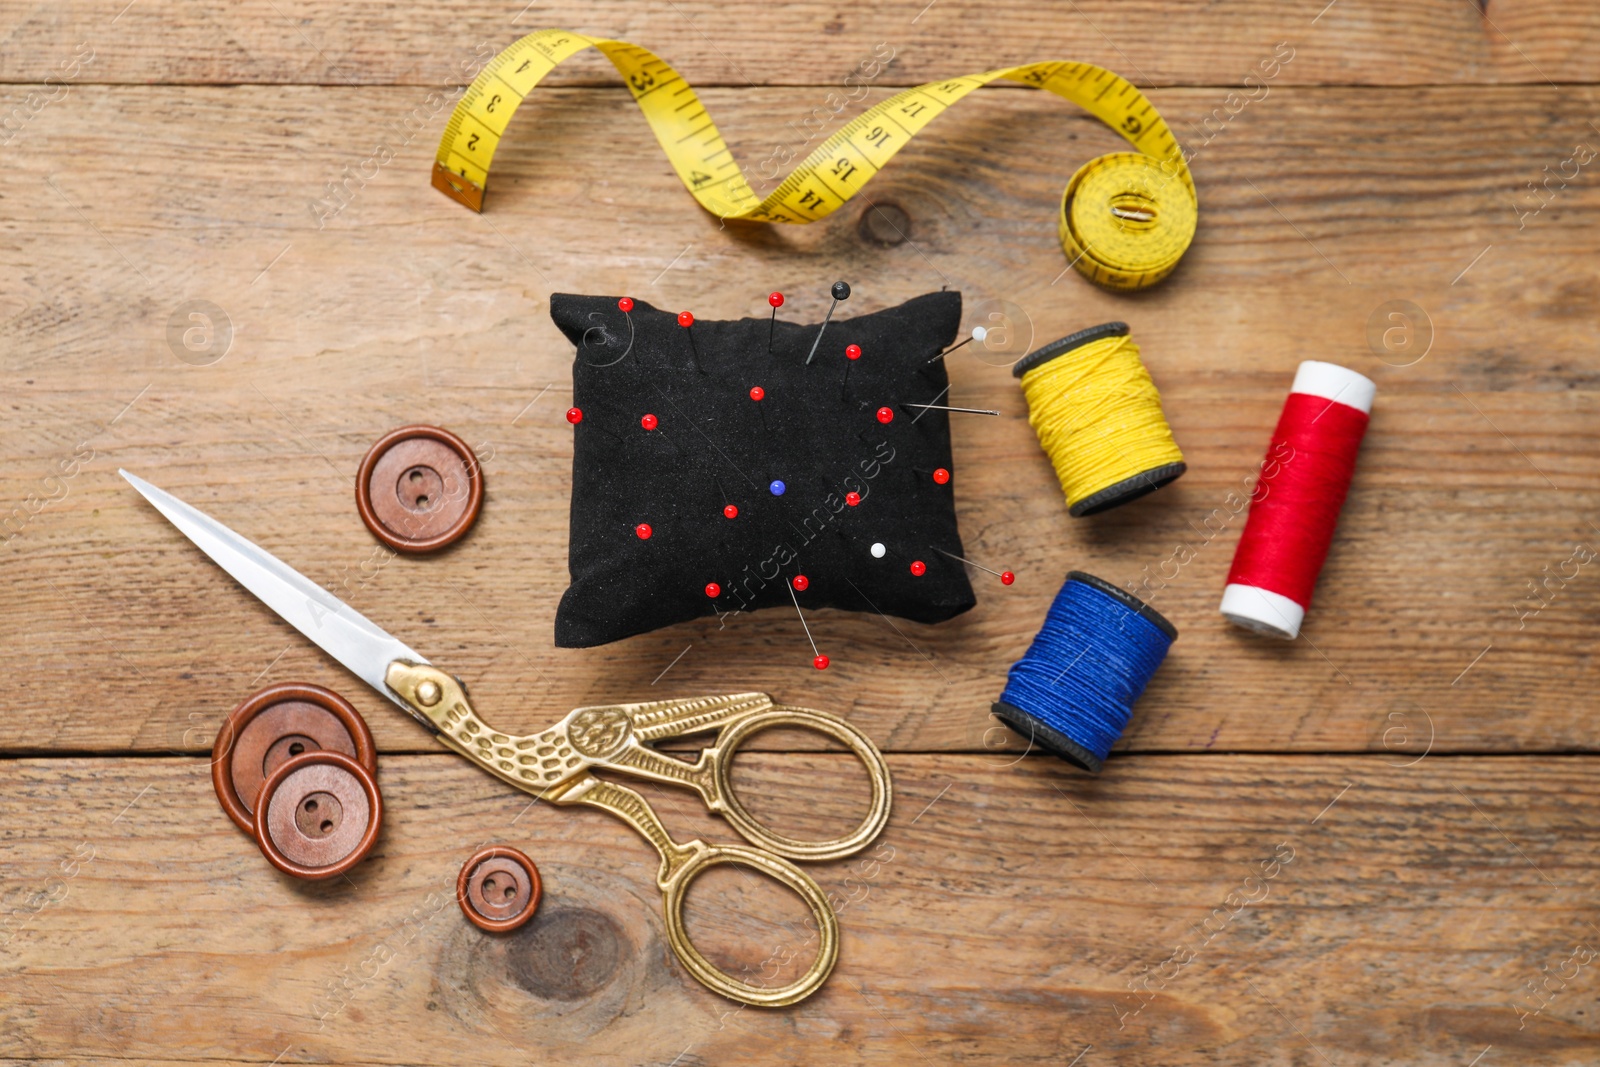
(319, 815)
(419, 488)
(273, 725)
(498, 889)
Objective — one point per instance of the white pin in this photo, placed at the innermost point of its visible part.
(978, 334)
(878, 551)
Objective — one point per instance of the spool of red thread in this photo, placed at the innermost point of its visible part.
(1295, 506)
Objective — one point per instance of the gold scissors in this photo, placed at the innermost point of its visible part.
(556, 763)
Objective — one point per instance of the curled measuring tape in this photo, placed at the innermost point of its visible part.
(1126, 218)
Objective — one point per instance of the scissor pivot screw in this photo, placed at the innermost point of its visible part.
(428, 694)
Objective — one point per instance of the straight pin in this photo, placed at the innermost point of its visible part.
(946, 407)
(686, 320)
(758, 394)
(1006, 577)
(953, 347)
(841, 291)
(776, 300)
(821, 661)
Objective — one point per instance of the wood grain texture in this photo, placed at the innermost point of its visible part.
(812, 42)
(1336, 909)
(1477, 479)
(1375, 845)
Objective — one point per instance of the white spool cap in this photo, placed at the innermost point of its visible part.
(1334, 382)
(1262, 610)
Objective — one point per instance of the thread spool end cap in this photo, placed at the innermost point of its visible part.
(1262, 611)
(1333, 382)
(1047, 737)
(1060, 347)
(1127, 600)
(1128, 490)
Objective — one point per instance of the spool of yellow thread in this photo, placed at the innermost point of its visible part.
(1098, 416)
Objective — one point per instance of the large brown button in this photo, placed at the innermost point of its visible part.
(273, 725)
(419, 488)
(498, 889)
(319, 815)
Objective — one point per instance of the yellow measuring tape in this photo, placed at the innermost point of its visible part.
(1126, 218)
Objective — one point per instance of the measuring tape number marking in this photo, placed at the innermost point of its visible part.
(1125, 219)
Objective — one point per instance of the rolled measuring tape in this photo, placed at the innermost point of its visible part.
(1295, 506)
(1073, 692)
(1098, 417)
(1126, 218)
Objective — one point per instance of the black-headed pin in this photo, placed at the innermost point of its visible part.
(841, 291)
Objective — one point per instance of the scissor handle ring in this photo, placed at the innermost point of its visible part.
(676, 888)
(810, 851)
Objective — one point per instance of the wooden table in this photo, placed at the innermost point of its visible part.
(1375, 845)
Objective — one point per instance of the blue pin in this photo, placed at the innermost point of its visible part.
(777, 487)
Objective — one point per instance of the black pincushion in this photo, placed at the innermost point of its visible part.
(816, 430)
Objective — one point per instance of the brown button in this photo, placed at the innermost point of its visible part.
(498, 889)
(419, 488)
(268, 728)
(319, 815)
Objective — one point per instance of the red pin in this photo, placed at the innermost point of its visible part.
(776, 300)
(625, 305)
(801, 582)
(852, 499)
(574, 415)
(821, 661)
(851, 353)
(730, 512)
(759, 394)
(649, 422)
(886, 415)
(1006, 577)
(941, 476)
(713, 590)
(644, 531)
(918, 568)
(686, 320)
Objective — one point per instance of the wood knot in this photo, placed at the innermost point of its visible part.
(885, 224)
(567, 954)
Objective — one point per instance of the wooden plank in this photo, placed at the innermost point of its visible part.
(1318, 207)
(1194, 910)
(810, 43)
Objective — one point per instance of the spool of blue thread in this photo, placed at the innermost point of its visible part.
(1074, 690)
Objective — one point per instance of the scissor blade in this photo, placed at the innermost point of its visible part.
(338, 629)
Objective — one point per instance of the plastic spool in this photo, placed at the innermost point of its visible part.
(1099, 419)
(1073, 692)
(1295, 507)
